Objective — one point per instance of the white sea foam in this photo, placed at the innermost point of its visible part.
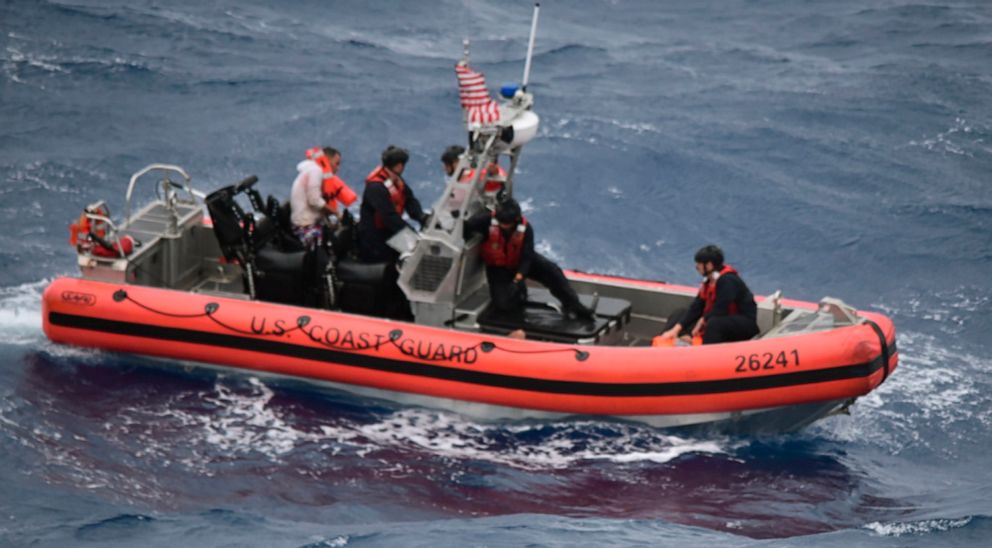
(48, 177)
(20, 313)
(951, 308)
(455, 437)
(527, 206)
(545, 248)
(962, 139)
(932, 385)
(898, 529)
(48, 63)
(246, 424)
(242, 424)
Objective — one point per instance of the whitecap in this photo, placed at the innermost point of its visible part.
(20, 312)
(452, 436)
(922, 527)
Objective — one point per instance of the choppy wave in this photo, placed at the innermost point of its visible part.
(963, 138)
(24, 67)
(533, 446)
(933, 403)
(243, 422)
(917, 528)
(20, 313)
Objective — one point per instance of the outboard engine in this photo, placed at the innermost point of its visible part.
(271, 272)
(278, 268)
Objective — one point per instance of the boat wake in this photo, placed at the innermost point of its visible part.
(936, 390)
(534, 446)
(20, 313)
(253, 419)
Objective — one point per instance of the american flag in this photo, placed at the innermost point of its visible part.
(474, 96)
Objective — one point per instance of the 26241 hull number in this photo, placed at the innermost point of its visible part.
(767, 360)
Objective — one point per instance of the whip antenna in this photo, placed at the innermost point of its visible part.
(530, 45)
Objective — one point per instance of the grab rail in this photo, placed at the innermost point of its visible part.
(113, 230)
(167, 185)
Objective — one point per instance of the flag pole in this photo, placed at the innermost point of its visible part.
(530, 45)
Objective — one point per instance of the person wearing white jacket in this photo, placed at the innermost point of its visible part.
(308, 198)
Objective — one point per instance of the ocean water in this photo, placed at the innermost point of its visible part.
(831, 148)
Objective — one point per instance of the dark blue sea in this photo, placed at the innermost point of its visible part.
(837, 148)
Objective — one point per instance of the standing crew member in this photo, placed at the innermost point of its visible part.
(509, 255)
(724, 310)
(316, 193)
(385, 199)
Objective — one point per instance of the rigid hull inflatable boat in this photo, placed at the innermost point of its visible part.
(236, 290)
(196, 292)
(812, 363)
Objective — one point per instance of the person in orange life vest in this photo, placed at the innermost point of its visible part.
(316, 194)
(509, 255)
(724, 310)
(496, 174)
(386, 197)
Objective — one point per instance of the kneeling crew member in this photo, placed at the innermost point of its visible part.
(495, 174)
(724, 310)
(508, 251)
(384, 200)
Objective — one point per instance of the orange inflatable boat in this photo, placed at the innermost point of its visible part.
(184, 294)
(238, 290)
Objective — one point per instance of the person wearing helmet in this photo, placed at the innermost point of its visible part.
(510, 258)
(724, 309)
(386, 197)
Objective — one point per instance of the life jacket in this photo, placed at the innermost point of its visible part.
(126, 246)
(659, 340)
(332, 187)
(707, 291)
(89, 234)
(397, 191)
(495, 184)
(498, 250)
(83, 230)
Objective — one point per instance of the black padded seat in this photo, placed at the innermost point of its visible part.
(540, 319)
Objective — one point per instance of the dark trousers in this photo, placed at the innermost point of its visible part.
(720, 329)
(373, 249)
(508, 296)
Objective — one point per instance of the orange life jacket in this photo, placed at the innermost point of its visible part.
(498, 250)
(397, 191)
(659, 340)
(707, 292)
(83, 230)
(332, 187)
(88, 235)
(492, 185)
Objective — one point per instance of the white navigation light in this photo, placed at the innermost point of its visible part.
(524, 128)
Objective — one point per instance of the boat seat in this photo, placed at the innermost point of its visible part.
(542, 319)
(769, 312)
(370, 288)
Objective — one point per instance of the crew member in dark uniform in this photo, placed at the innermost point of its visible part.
(724, 310)
(509, 255)
(384, 200)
